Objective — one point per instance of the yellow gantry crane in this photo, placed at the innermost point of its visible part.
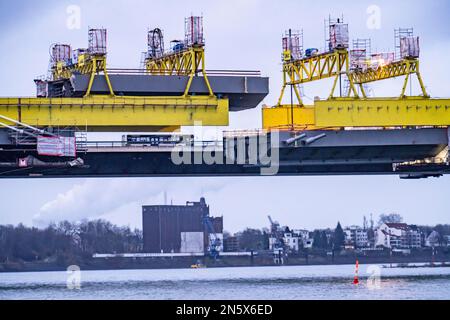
(91, 61)
(187, 57)
(353, 110)
(187, 62)
(313, 68)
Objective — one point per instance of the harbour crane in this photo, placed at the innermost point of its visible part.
(214, 243)
(277, 234)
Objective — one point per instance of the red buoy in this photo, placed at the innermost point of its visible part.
(356, 280)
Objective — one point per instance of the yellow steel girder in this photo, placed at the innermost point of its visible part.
(178, 63)
(114, 113)
(376, 112)
(316, 67)
(188, 62)
(391, 70)
(281, 117)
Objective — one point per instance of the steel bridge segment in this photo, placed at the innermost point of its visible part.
(356, 152)
(112, 170)
(243, 92)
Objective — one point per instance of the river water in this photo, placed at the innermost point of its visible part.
(265, 283)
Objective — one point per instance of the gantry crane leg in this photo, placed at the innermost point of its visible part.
(108, 82)
(297, 93)
(405, 84)
(363, 91)
(91, 80)
(205, 77)
(334, 87)
(422, 85)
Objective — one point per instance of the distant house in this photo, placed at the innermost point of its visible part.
(305, 239)
(446, 239)
(304, 234)
(398, 236)
(356, 237)
(292, 239)
(231, 244)
(308, 243)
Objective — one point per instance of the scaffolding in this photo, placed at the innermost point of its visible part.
(97, 42)
(359, 61)
(292, 43)
(143, 61)
(360, 53)
(193, 31)
(60, 53)
(335, 33)
(41, 86)
(399, 34)
(155, 43)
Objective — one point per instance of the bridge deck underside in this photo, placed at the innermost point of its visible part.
(337, 153)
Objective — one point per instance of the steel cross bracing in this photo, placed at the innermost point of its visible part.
(189, 62)
(87, 64)
(404, 67)
(318, 67)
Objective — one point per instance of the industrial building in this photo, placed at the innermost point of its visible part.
(181, 229)
(231, 244)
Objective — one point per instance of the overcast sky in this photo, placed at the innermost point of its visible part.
(240, 34)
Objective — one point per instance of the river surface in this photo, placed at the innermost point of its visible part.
(265, 283)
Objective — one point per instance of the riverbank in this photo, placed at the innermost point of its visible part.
(121, 263)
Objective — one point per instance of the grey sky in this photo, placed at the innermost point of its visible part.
(240, 34)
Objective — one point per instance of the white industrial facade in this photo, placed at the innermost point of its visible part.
(192, 242)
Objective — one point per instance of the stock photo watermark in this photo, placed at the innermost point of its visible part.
(73, 21)
(374, 19)
(248, 149)
(374, 278)
(73, 281)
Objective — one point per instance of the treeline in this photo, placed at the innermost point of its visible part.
(330, 239)
(66, 241)
(252, 239)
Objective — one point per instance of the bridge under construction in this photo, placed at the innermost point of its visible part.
(345, 134)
